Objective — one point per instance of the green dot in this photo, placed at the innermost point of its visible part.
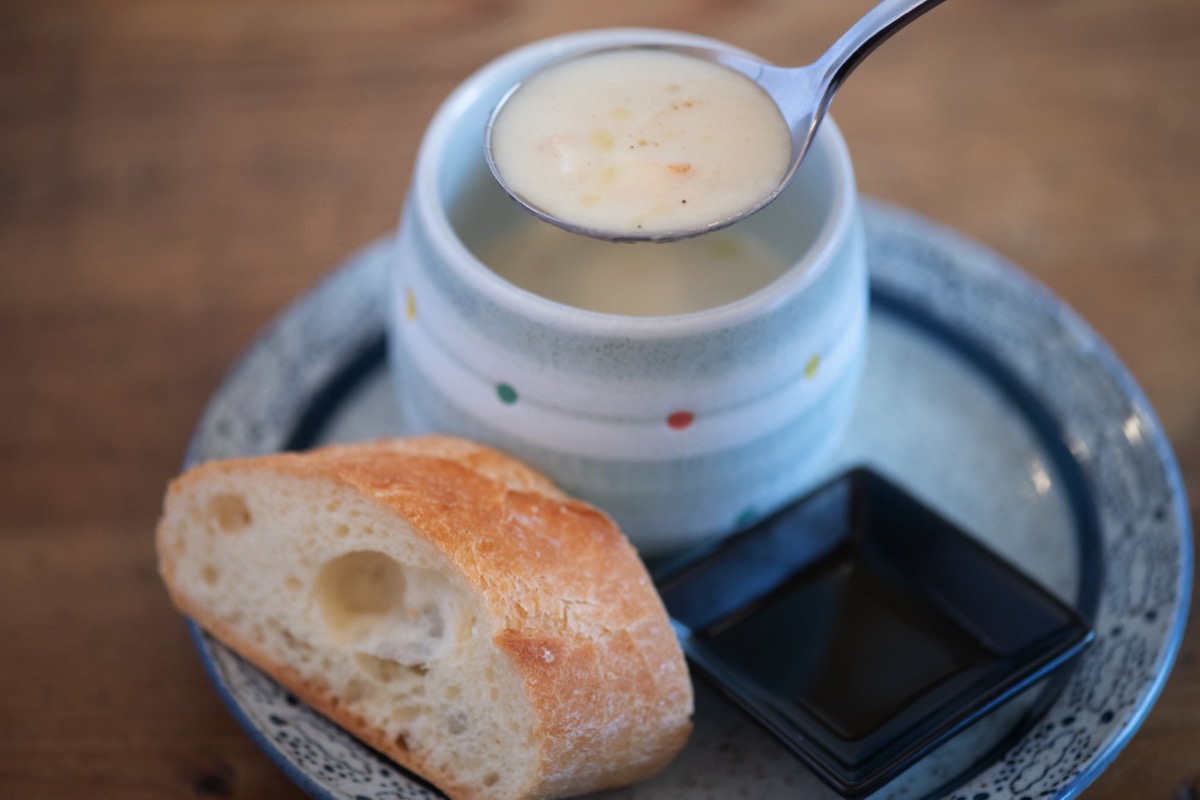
(506, 393)
(745, 518)
(810, 369)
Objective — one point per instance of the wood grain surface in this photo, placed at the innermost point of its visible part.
(173, 173)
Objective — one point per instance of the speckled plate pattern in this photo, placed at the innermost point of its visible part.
(984, 396)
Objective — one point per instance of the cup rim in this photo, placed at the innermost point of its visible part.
(431, 206)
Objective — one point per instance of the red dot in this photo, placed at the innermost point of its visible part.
(680, 420)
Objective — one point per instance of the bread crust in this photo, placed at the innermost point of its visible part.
(574, 609)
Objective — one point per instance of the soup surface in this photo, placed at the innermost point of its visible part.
(647, 279)
(640, 142)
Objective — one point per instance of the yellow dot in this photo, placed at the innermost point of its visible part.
(589, 199)
(810, 369)
(620, 113)
(410, 305)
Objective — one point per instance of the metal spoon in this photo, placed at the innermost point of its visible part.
(802, 93)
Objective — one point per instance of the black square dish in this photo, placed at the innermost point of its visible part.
(863, 629)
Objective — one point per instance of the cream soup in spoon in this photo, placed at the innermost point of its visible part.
(640, 143)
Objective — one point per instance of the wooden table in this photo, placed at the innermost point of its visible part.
(172, 174)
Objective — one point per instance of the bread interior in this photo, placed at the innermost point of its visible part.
(342, 602)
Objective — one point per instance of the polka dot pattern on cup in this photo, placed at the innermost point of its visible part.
(814, 364)
(744, 519)
(680, 420)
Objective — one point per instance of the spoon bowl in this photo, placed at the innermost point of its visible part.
(801, 94)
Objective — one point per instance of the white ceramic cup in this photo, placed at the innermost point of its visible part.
(683, 428)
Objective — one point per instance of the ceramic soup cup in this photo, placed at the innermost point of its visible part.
(683, 427)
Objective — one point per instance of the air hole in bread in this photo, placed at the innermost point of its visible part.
(356, 690)
(491, 779)
(406, 713)
(456, 723)
(453, 692)
(388, 612)
(294, 643)
(210, 575)
(230, 511)
(356, 590)
(383, 670)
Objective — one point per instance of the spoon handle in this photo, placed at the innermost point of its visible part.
(864, 36)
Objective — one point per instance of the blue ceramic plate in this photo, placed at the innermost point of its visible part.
(997, 406)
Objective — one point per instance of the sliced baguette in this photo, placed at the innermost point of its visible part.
(445, 604)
